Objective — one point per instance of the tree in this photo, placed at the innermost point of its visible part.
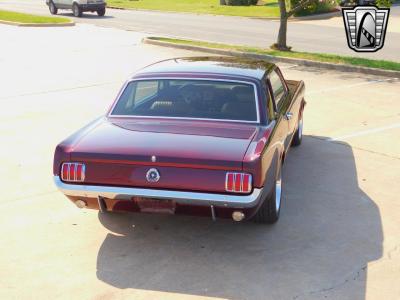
(282, 35)
(384, 3)
(281, 43)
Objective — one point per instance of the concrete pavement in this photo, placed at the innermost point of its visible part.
(311, 36)
(338, 237)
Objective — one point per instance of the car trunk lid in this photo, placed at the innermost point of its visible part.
(121, 152)
(165, 143)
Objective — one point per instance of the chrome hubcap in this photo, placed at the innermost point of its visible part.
(278, 192)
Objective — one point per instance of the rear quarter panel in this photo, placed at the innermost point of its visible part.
(63, 150)
(268, 147)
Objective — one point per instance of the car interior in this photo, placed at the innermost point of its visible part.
(190, 99)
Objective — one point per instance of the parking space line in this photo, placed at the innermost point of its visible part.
(352, 85)
(10, 97)
(364, 132)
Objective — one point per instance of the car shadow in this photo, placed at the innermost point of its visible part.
(328, 232)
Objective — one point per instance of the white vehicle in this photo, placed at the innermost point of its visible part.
(77, 6)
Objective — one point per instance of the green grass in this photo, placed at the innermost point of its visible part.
(27, 18)
(329, 58)
(270, 9)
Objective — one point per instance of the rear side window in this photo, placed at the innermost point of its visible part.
(134, 94)
(278, 87)
(189, 98)
(145, 89)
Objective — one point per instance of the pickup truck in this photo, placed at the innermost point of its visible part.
(198, 135)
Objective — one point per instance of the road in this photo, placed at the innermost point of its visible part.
(326, 36)
(395, 10)
(339, 232)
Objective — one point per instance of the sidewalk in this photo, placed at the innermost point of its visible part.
(393, 24)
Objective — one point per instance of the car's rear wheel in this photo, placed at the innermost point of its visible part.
(101, 12)
(53, 9)
(270, 210)
(76, 10)
(298, 135)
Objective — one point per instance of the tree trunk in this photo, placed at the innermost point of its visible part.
(282, 35)
(222, 2)
(281, 42)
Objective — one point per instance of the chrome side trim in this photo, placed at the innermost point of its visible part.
(125, 193)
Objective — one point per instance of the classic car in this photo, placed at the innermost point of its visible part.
(199, 135)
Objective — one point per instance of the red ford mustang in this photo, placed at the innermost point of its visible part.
(200, 135)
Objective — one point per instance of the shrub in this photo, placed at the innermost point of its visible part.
(241, 2)
(384, 3)
(314, 7)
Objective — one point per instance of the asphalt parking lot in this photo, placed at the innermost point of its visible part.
(338, 236)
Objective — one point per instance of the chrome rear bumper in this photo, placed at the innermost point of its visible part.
(126, 193)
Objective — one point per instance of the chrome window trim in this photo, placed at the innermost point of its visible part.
(283, 82)
(256, 99)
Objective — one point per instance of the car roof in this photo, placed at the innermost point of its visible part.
(231, 66)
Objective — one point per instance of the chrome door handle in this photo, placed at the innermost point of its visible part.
(288, 115)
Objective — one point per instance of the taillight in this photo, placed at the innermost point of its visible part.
(238, 182)
(73, 172)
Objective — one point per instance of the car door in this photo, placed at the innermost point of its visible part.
(281, 125)
(63, 3)
(281, 98)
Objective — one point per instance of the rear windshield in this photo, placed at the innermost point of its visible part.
(199, 99)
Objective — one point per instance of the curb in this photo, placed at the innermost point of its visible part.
(275, 59)
(120, 8)
(37, 24)
(321, 16)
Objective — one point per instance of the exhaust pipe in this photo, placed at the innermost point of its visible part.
(102, 204)
(238, 216)
(80, 203)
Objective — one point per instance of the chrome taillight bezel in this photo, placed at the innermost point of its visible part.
(238, 179)
(73, 172)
